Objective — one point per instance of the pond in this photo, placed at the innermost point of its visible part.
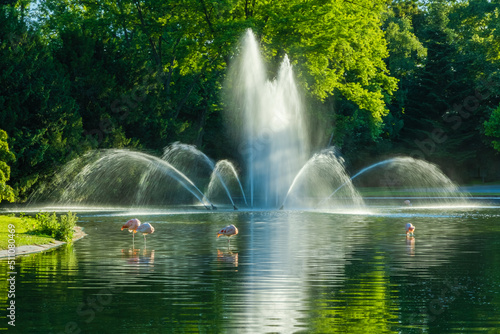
(286, 271)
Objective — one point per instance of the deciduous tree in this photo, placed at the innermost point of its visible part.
(6, 157)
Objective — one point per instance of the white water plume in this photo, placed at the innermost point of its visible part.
(267, 118)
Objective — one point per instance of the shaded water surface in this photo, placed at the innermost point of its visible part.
(284, 272)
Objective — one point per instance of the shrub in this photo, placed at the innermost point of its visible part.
(60, 229)
(67, 226)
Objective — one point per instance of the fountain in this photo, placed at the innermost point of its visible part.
(409, 177)
(266, 120)
(323, 172)
(273, 138)
(224, 170)
(188, 158)
(117, 176)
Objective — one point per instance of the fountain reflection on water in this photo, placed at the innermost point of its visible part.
(267, 119)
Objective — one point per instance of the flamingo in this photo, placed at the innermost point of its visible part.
(228, 231)
(409, 229)
(132, 226)
(145, 228)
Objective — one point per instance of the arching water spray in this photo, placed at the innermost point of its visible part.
(412, 174)
(323, 172)
(183, 155)
(225, 169)
(118, 176)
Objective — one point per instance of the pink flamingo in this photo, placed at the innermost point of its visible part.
(145, 228)
(132, 226)
(228, 231)
(409, 229)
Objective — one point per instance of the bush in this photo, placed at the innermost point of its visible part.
(67, 226)
(61, 229)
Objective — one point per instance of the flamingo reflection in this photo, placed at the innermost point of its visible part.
(229, 257)
(136, 256)
(410, 245)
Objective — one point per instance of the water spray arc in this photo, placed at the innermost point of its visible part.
(224, 168)
(414, 175)
(177, 152)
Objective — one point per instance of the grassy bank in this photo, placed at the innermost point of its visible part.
(44, 228)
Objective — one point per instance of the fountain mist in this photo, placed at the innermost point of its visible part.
(273, 138)
(222, 174)
(120, 176)
(188, 159)
(322, 173)
(411, 177)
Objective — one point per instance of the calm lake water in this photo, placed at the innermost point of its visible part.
(309, 272)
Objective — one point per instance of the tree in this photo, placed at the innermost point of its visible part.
(492, 128)
(38, 113)
(449, 94)
(6, 192)
(337, 47)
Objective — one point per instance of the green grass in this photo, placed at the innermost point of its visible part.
(43, 229)
(25, 232)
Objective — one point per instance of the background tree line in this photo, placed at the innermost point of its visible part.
(381, 78)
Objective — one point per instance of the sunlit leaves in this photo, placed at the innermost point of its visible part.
(337, 47)
(6, 192)
(492, 128)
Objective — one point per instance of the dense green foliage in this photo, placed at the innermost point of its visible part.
(420, 78)
(6, 156)
(492, 127)
(61, 228)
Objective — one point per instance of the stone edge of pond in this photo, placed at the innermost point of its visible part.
(30, 249)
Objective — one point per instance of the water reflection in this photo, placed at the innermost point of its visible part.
(227, 257)
(410, 245)
(138, 256)
(285, 272)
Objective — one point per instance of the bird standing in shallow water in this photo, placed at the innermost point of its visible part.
(409, 229)
(228, 231)
(132, 226)
(145, 228)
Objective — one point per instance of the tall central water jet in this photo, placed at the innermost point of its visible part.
(267, 119)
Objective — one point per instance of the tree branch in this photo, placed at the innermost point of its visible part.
(207, 16)
(156, 56)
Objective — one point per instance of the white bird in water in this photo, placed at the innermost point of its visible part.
(228, 231)
(145, 228)
(407, 202)
(409, 229)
